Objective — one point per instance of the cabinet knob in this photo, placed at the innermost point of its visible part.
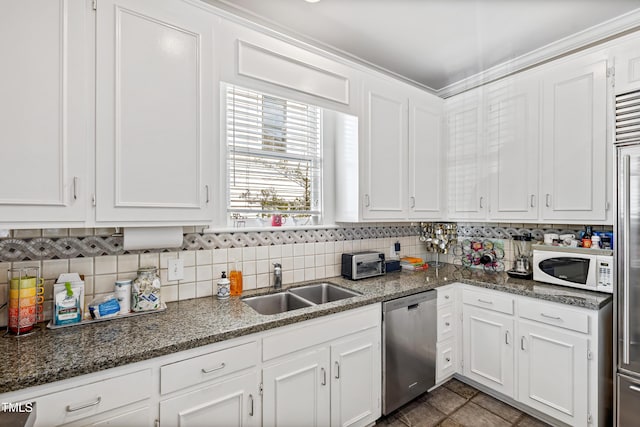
(448, 359)
(75, 188)
(206, 187)
(447, 324)
(481, 199)
(251, 405)
(533, 200)
(337, 365)
(548, 200)
(413, 202)
(366, 200)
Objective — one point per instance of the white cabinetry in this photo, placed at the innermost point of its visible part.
(627, 65)
(398, 175)
(44, 112)
(156, 91)
(384, 148)
(574, 140)
(426, 158)
(552, 372)
(326, 373)
(297, 390)
(493, 152)
(488, 356)
(550, 357)
(512, 142)
(447, 338)
(468, 195)
(355, 380)
(232, 402)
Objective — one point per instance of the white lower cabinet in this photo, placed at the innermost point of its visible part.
(232, 402)
(488, 348)
(551, 357)
(335, 383)
(296, 391)
(447, 338)
(355, 380)
(552, 372)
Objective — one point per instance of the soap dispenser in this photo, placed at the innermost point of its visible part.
(223, 286)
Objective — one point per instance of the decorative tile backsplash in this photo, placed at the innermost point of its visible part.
(46, 248)
(304, 254)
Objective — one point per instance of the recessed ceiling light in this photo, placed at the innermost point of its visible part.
(312, 1)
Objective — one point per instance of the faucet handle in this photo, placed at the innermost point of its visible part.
(277, 265)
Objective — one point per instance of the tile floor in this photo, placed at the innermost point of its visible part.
(456, 404)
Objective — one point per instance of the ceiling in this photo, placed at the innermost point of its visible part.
(434, 43)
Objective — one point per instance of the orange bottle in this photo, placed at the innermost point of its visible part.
(235, 277)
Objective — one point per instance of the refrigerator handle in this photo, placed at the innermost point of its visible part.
(626, 220)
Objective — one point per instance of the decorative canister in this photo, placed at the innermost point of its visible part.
(145, 290)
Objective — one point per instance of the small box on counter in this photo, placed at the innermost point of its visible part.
(68, 299)
(392, 265)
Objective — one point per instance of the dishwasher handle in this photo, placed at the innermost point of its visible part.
(413, 307)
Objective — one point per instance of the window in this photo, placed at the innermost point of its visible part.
(274, 159)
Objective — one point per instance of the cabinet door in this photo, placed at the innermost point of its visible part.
(574, 147)
(511, 117)
(426, 160)
(627, 57)
(234, 402)
(553, 372)
(297, 391)
(468, 195)
(355, 380)
(384, 152)
(44, 111)
(488, 355)
(155, 111)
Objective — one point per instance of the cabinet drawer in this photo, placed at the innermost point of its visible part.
(554, 314)
(445, 294)
(446, 360)
(95, 398)
(491, 301)
(446, 322)
(178, 375)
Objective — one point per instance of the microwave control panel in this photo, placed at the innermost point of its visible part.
(604, 267)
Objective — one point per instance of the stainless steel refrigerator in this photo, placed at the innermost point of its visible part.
(627, 236)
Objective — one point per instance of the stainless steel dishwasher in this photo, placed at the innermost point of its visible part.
(409, 348)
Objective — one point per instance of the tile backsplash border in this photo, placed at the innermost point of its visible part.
(45, 245)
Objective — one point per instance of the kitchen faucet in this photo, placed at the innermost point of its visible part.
(277, 276)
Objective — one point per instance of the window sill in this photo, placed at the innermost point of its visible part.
(269, 228)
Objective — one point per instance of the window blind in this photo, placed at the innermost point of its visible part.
(274, 155)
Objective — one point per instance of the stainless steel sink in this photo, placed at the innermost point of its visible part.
(320, 293)
(276, 303)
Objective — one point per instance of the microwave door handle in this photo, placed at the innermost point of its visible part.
(626, 225)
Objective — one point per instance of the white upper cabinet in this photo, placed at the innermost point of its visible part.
(395, 170)
(574, 141)
(426, 157)
(468, 192)
(44, 112)
(156, 97)
(512, 141)
(384, 140)
(627, 63)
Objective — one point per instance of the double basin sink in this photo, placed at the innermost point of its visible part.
(301, 297)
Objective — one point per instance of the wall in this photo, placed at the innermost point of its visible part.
(96, 254)
(304, 254)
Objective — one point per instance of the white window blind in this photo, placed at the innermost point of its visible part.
(274, 156)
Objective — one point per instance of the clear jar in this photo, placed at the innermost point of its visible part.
(145, 290)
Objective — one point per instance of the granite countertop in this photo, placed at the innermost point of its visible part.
(53, 355)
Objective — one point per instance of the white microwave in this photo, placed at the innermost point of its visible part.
(575, 269)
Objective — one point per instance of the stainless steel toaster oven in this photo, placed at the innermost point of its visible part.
(359, 265)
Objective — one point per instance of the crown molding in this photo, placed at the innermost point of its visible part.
(240, 15)
(592, 36)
